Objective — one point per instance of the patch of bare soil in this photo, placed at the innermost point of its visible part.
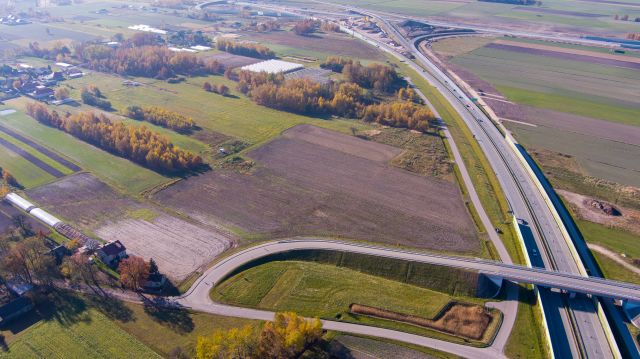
(318, 182)
(231, 60)
(335, 44)
(178, 246)
(599, 211)
(465, 320)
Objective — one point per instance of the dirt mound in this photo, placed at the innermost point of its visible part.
(603, 207)
(466, 320)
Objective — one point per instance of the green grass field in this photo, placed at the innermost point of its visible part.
(614, 161)
(123, 174)
(324, 290)
(527, 339)
(327, 291)
(615, 239)
(25, 172)
(613, 270)
(44, 158)
(91, 336)
(235, 116)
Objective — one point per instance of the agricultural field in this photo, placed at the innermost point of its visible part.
(557, 105)
(178, 245)
(70, 328)
(234, 116)
(123, 174)
(587, 156)
(347, 185)
(572, 16)
(320, 46)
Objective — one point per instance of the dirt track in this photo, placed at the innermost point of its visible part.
(318, 182)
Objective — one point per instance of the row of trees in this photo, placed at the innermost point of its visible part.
(305, 27)
(92, 96)
(345, 99)
(402, 114)
(374, 76)
(161, 117)
(287, 336)
(634, 36)
(139, 144)
(220, 89)
(147, 61)
(245, 49)
(625, 18)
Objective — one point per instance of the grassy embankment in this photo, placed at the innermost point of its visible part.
(618, 241)
(327, 291)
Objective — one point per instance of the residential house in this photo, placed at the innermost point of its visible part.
(112, 252)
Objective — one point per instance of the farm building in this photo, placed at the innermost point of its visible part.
(111, 253)
(19, 202)
(45, 217)
(273, 67)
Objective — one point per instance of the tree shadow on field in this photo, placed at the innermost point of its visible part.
(65, 308)
(168, 314)
(112, 307)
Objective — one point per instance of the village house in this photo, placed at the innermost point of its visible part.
(112, 252)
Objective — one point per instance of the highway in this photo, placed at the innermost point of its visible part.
(550, 247)
(577, 326)
(197, 297)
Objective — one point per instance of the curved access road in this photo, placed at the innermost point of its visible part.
(197, 297)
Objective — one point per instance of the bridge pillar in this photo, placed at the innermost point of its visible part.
(488, 286)
(632, 310)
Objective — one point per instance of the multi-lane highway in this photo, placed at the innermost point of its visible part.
(578, 326)
(589, 334)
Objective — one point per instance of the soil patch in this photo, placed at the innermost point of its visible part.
(54, 156)
(465, 320)
(334, 44)
(231, 60)
(177, 245)
(317, 182)
(31, 158)
(565, 55)
(629, 219)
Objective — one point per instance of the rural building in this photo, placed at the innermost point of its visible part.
(112, 252)
(273, 67)
(155, 282)
(13, 303)
(19, 202)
